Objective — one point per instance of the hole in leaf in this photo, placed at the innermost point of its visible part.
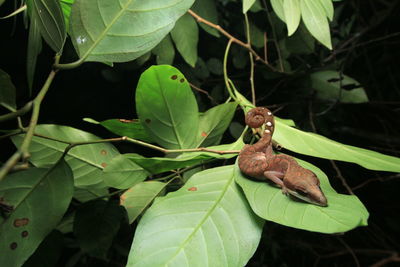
(147, 120)
(182, 80)
(174, 77)
(334, 80)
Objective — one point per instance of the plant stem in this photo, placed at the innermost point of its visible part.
(19, 112)
(253, 91)
(23, 151)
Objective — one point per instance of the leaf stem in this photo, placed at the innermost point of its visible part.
(17, 113)
(253, 91)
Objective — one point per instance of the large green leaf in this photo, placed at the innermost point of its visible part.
(86, 161)
(50, 21)
(95, 225)
(205, 223)
(343, 213)
(39, 198)
(213, 123)
(314, 17)
(291, 9)
(123, 173)
(123, 30)
(207, 10)
(122, 127)
(330, 85)
(138, 198)
(158, 165)
(319, 146)
(34, 49)
(166, 107)
(7, 91)
(165, 51)
(185, 35)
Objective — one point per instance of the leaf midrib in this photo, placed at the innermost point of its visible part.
(206, 216)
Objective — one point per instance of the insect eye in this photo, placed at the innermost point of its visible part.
(302, 193)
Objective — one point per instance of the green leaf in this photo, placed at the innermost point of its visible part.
(328, 7)
(157, 165)
(39, 198)
(120, 31)
(213, 123)
(344, 212)
(129, 128)
(314, 17)
(138, 198)
(277, 6)
(291, 9)
(123, 173)
(95, 225)
(185, 35)
(66, 7)
(50, 21)
(330, 85)
(166, 107)
(247, 4)
(86, 161)
(34, 49)
(165, 51)
(205, 223)
(319, 146)
(207, 10)
(301, 42)
(256, 36)
(84, 194)
(7, 92)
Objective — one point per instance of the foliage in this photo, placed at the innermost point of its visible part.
(171, 171)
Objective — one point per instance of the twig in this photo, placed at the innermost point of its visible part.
(350, 250)
(380, 179)
(230, 37)
(204, 92)
(18, 113)
(23, 151)
(253, 91)
(341, 178)
(393, 258)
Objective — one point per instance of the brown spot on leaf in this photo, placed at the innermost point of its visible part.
(192, 188)
(24, 234)
(182, 80)
(125, 121)
(174, 77)
(21, 222)
(147, 120)
(204, 134)
(103, 152)
(103, 164)
(13, 245)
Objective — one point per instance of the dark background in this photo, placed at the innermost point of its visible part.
(371, 57)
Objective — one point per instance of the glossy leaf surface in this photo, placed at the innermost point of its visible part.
(185, 35)
(343, 213)
(205, 223)
(86, 161)
(122, 30)
(50, 21)
(38, 198)
(166, 107)
(123, 173)
(138, 198)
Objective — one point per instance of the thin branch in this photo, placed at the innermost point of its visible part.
(18, 113)
(350, 250)
(379, 179)
(393, 258)
(204, 92)
(23, 151)
(230, 37)
(253, 91)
